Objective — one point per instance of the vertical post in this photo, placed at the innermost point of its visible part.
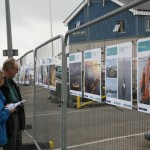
(50, 19)
(64, 97)
(88, 28)
(8, 27)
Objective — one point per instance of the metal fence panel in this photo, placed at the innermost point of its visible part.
(27, 92)
(47, 100)
(99, 125)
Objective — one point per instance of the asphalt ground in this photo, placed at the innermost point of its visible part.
(93, 127)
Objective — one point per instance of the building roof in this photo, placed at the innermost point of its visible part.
(143, 9)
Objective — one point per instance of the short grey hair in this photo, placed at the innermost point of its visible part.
(8, 64)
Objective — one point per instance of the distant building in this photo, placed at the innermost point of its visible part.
(127, 26)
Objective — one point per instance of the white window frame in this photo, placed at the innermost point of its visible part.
(116, 28)
(118, 25)
(147, 22)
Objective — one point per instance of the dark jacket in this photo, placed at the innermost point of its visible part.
(20, 109)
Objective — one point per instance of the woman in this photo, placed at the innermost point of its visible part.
(4, 114)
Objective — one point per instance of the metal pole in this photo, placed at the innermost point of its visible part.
(8, 26)
(50, 17)
(64, 98)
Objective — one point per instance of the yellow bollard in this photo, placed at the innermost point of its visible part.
(78, 102)
(51, 144)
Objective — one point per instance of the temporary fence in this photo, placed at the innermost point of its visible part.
(108, 126)
(99, 78)
(25, 80)
(47, 104)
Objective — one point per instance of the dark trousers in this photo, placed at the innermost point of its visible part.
(15, 142)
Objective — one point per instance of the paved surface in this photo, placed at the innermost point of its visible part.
(99, 127)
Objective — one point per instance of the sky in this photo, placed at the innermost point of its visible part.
(30, 22)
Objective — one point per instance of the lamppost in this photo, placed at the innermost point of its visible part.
(51, 30)
(9, 52)
(8, 27)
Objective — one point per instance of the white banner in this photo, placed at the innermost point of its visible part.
(75, 74)
(92, 74)
(143, 75)
(118, 76)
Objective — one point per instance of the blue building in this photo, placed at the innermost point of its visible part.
(131, 24)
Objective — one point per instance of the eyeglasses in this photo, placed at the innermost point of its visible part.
(15, 68)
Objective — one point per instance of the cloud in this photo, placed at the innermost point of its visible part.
(30, 22)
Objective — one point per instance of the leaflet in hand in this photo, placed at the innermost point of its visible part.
(14, 105)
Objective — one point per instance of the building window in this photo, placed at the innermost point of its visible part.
(147, 24)
(119, 27)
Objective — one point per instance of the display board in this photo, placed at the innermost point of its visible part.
(118, 76)
(37, 70)
(46, 73)
(21, 74)
(27, 74)
(143, 75)
(24, 74)
(40, 72)
(52, 74)
(75, 74)
(92, 74)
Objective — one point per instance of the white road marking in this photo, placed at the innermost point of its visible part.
(100, 141)
(56, 113)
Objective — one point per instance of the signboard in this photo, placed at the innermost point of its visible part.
(118, 76)
(75, 74)
(143, 73)
(92, 74)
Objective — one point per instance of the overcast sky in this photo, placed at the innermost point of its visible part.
(30, 22)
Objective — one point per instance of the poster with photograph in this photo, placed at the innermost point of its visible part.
(92, 74)
(52, 74)
(143, 75)
(19, 80)
(75, 74)
(37, 70)
(31, 76)
(21, 75)
(46, 73)
(26, 74)
(118, 77)
(40, 73)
